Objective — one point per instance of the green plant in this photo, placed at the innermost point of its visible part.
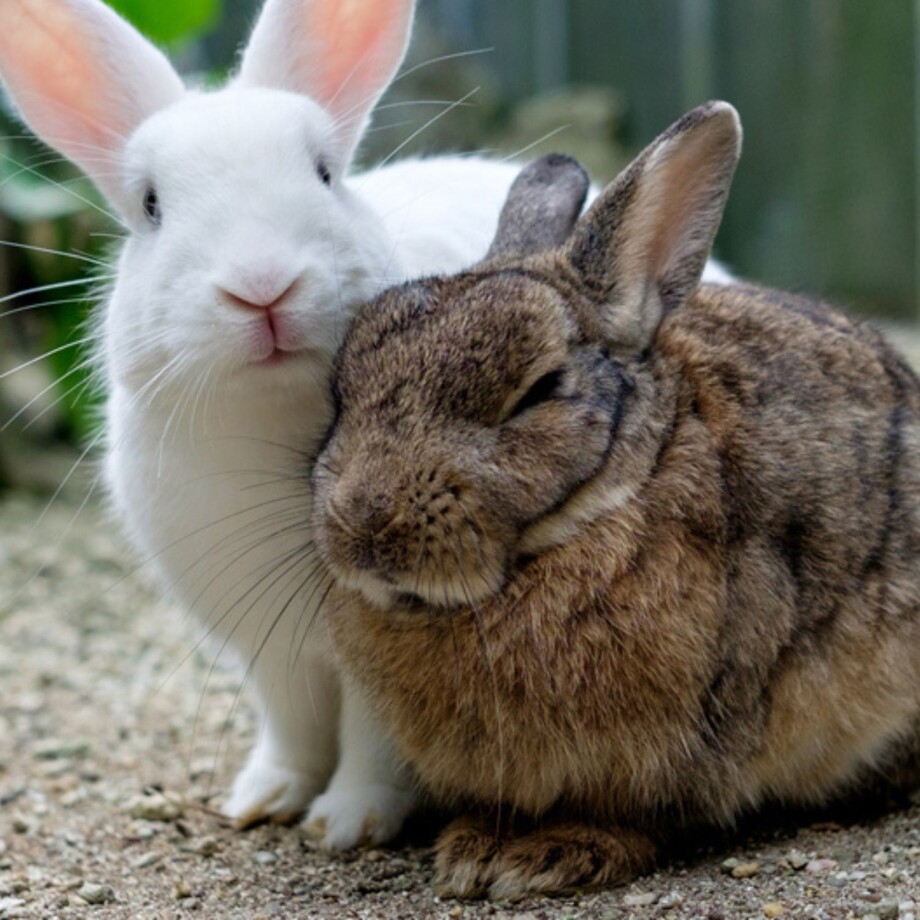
(168, 21)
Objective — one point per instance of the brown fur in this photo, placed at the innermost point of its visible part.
(691, 568)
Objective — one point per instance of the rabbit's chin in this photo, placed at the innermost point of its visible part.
(411, 595)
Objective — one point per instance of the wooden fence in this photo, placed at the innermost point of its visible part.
(826, 198)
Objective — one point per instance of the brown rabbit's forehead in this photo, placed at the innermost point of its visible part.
(458, 344)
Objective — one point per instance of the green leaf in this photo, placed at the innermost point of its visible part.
(167, 21)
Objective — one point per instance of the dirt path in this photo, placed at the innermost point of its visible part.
(115, 739)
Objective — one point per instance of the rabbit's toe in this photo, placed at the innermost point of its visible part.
(567, 857)
(264, 791)
(464, 855)
(367, 815)
(475, 858)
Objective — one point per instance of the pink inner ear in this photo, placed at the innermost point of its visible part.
(688, 181)
(358, 34)
(58, 88)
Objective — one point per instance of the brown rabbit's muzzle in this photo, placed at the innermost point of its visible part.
(457, 430)
(424, 534)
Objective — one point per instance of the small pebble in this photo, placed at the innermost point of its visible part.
(887, 910)
(797, 859)
(817, 866)
(96, 894)
(207, 846)
(671, 899)
(264, 857)
(71, 883)
(746, 870)
(155, 807)
(146, 859)
(645, 899)
(774, 909)
(181, 889)
(55, 749)
(729, 864)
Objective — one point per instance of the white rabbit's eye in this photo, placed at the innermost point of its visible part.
(152, 206)
(322, 170)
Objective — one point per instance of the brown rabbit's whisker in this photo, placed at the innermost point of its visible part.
(222, 738)
(257, 536)
(324, 592)
(214, 625)
(317, 587)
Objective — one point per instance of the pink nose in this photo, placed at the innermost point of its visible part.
(257, 292)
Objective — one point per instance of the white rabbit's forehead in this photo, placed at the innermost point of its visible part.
(206, 132)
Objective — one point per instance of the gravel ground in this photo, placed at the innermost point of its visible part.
(117, 741)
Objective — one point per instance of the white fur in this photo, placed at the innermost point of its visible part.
(203, 488)
(215, 411)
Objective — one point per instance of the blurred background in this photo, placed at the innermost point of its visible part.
(827, 198)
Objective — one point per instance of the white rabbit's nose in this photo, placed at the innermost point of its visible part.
(257, 291)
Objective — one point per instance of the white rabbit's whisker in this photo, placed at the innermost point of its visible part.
(78, 282)
(78, 256)
(78, 368)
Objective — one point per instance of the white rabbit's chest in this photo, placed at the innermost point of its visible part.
(221, 515)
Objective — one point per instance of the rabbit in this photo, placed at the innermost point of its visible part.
(247, 247)
(615, 551)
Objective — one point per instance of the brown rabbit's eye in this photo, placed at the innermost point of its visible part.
(322, 170)
(543, 389)
(152, 206)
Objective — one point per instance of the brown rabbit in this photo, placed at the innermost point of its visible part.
(616, 551)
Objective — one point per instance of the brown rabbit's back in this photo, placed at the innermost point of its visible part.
(815, 423)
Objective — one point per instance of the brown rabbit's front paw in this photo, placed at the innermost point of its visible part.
(474, 858)
(463, 857)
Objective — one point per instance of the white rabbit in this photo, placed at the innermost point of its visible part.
(247, 251)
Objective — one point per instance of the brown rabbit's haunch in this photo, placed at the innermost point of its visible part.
(615, 551)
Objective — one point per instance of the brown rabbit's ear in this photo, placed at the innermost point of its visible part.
(642, 246)
(542, 206)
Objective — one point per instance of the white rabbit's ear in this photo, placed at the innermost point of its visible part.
(83, 80)
(641, 247)
(341, 53)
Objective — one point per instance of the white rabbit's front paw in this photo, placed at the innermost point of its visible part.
(262, 790)
(363, 815)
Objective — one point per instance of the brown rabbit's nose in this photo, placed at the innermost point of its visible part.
(362, 521)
